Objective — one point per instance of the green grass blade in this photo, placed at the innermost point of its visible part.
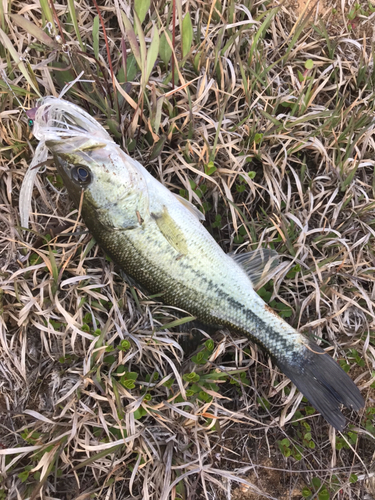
(178, 322)
(95, 36)
(165, 50)
(142, 45)
(20, 64)
(152, 52)
(47, 11)
(73, 15)
(187, 35)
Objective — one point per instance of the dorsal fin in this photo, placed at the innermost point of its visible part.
(258, 264)
(193, 209)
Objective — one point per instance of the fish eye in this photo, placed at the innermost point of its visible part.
(81, 174)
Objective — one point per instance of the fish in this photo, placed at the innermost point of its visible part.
(158, 239)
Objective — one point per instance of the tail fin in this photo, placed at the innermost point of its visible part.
(324, 383)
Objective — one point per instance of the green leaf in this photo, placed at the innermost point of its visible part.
(203, 396)
(309, 410)
(265, 294)
(132, 67)
(165, 50)
(266, 405)
(128, 380)
(169, 383)
(309, 64)
(323, 494)
(141, 7)
(109, 359)
(125, 345)
(187, 34)
(316, 482)
(128, 384)
(306, 492)
(209, 344)
(191, 377)
(23, 475)
(95, 36)
(152, 52)
(217, 223)
(139, 413)
(210, 168)
(258, 138)
(158, 147)
(200, 358)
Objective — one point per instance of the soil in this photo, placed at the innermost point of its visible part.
(270, 479)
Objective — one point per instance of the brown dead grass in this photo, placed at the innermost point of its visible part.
(69, 429)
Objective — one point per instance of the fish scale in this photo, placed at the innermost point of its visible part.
(159, 241)
(191, 290)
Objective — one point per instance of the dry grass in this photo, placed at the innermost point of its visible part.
(277, 150)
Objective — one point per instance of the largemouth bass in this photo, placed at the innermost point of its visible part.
(158, 239)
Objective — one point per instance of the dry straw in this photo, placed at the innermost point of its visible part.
(267, 125)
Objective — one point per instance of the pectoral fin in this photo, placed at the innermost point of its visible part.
(171, 231)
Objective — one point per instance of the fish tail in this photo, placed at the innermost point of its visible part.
(323, 382)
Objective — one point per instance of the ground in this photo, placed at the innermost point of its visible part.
(261, 114)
